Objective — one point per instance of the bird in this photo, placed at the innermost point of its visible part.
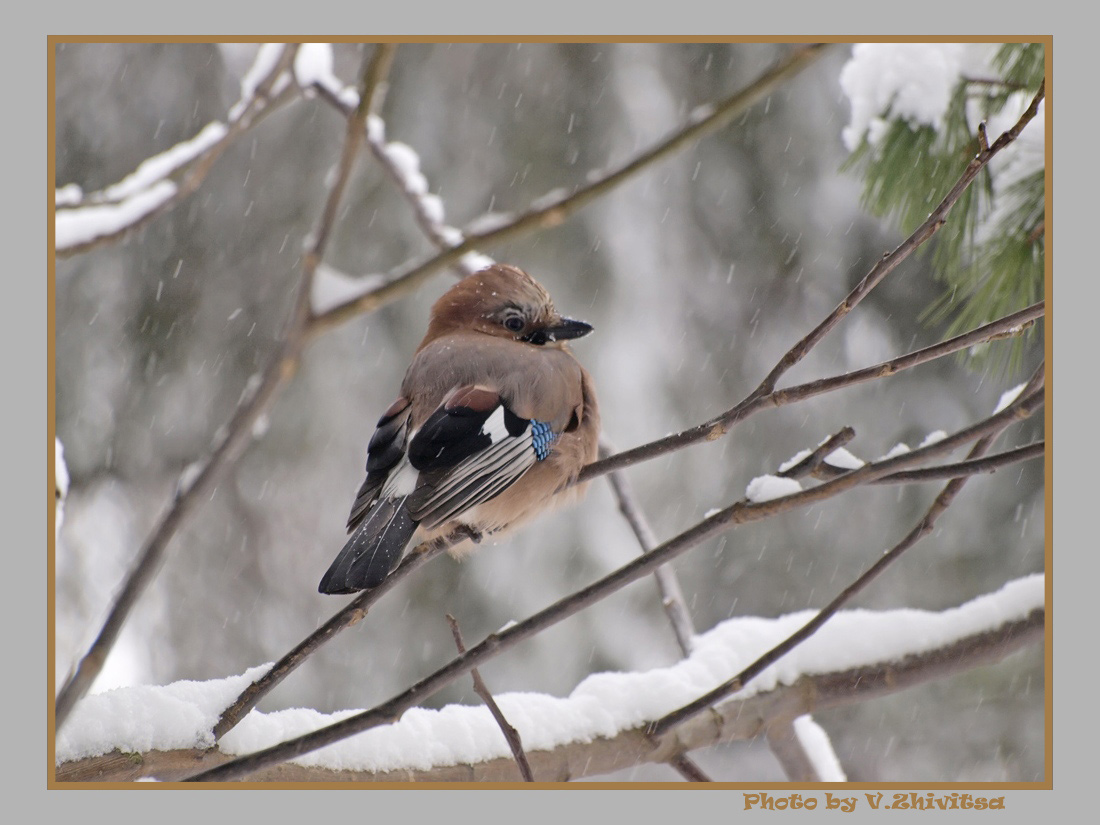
(494, 421)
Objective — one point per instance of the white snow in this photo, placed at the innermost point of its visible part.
(69, 195)
(331, 288)
(451, 235)
(489, 222)
(1008, 396)
(840, 457)
(61, 480)
(181, 715)
(767, 487)
(313, 67)
(701, 113)
(815, 742)
(60, 471)
(913, 81)
(145, 717)
(76, 226)
(476, 261)
(187, 477)
(406, 163)
(901, 448)
(376, 128)
(267, 57)
(159, 167)
(313, 64)
(795, 460)
(433, 208)
(550, 199)
(934, 437)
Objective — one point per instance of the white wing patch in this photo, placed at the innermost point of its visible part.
(477, 478)
(401, 481)
(494, 426)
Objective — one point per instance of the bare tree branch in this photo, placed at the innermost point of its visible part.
(718, 427)
(668, 585)
(279, 369)
(550, 212)
(482, 690)
(741, 512)
(733, 720)
(922, 529)
(810, 465)
(350, 614)
(970, 467)
(672, 599)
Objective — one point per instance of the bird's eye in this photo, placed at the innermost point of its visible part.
(514, 323)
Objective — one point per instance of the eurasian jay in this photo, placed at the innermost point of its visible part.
(494, 421)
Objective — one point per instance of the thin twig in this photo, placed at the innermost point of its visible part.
(442, 235)
(811, 463)
(972, 467)
(668, 585)
(553, 213)
(350, 614)
(923, 528)
(740, 513)
(482, 690)
(718, 427)
(279, 369)
(1009, 326)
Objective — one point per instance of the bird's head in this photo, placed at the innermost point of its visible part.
(505, 302)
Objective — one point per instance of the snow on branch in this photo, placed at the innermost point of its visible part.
(554, 207)
(860, 653)
(239, 429)
(159, 182)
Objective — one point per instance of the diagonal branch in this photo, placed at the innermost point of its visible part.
(671, 596)
(279, 369)
(166, 179)
(668, 584)
(550, 212)
(739, 513)
(718, 427)
(351, 613)
(515, 744)
(923, 528)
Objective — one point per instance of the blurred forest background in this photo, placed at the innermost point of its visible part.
(698, 274)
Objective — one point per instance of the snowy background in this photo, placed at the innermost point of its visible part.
(697, 275)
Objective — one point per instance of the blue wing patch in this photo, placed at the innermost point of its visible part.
(542, 438)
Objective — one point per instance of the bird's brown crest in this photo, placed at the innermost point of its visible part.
(484, 300)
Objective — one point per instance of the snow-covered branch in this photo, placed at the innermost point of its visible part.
(164, 732)
(258, 396)
(554, 208)
(82, 222)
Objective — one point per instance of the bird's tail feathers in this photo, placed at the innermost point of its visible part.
(373, 550)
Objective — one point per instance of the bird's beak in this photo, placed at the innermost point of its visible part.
(566, 329)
